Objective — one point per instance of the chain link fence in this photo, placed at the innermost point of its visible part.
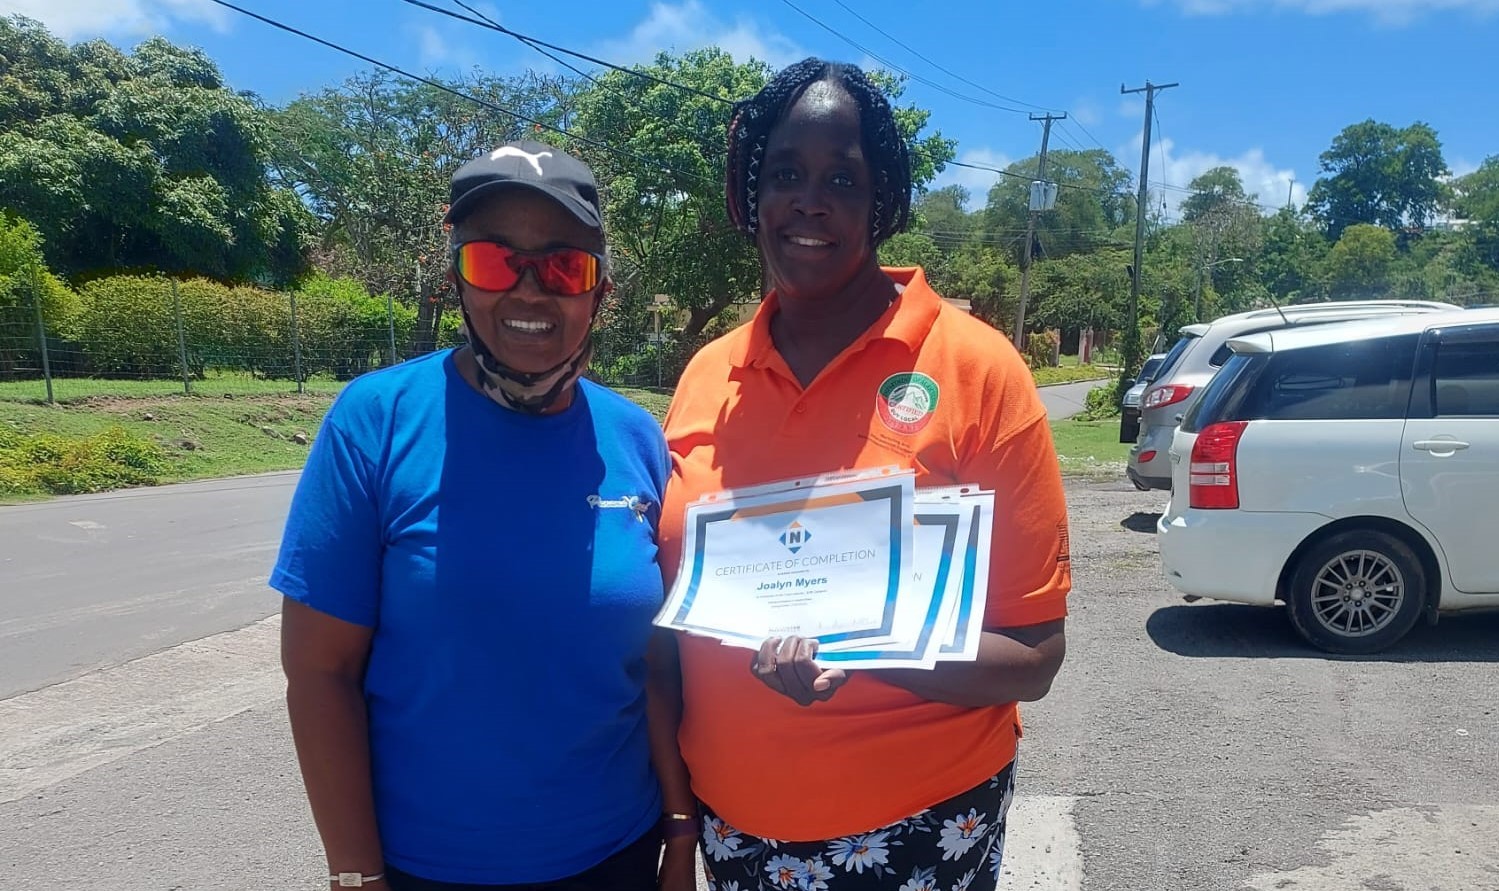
(169, 338)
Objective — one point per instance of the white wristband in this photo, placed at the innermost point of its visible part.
(355, 879)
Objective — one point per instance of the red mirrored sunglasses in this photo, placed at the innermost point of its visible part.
(493, 266)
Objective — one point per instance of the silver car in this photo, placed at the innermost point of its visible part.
(1129, 406)
(1203, 348)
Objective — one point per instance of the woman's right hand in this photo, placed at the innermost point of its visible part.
(788, 666)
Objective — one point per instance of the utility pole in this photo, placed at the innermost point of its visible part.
(1131, 344)
(1030, 227)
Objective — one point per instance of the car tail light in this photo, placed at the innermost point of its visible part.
(1167, 394)
(1213, 483)
(1147, 457)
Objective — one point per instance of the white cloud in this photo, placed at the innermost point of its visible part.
(440, 50)
(1086, 112)
(977, 182)
(79, 19)
(1461, 167)
(1385, 12)
(685, 26)
(1264, 180)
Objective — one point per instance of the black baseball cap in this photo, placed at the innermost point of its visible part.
(530, 165)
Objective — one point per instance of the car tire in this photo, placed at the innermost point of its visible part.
(1357, 592)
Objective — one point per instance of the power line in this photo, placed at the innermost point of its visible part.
(694, 135)
(1021, 176)
(894, 67)
(913, 51)
(494, 26)
(1088, 134)
(462, 95)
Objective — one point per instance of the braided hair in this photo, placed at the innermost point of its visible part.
(755, 117)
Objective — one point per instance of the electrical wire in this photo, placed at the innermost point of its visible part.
(462, 95)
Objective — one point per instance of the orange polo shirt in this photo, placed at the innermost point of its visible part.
(926, 387)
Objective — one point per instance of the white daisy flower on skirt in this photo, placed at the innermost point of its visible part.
(784, 870)
(858, 852)
(720, 840)
(961, 834)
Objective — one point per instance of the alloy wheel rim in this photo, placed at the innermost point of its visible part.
(1358, 593)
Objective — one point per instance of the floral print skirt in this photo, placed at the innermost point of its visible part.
(957, 845)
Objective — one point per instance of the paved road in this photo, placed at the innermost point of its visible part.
(95, 580)
(1065, 400)
(1184, 747)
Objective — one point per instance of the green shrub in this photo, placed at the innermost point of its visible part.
(1040, 349)
(127, 328)
(1100, 404)
(48, 464)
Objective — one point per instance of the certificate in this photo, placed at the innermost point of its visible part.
(822, 560)
(948, 585)
(929, 590)
(964, 627)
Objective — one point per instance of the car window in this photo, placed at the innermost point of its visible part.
(1174, 356)
(1367, 379)
(1148, 370)
(1225, 395)
(1465, 380)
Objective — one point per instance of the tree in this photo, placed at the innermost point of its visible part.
(1292, 252)
(1362, 264)
(1378, 175)
(1093, 203)
(943, 214)
(1215, 192)
(373, 158)
(1477, 204)
(1082, 290)
(140, 161)
(26, 282)
(1227, 231)
(983, 275)
(663, 182)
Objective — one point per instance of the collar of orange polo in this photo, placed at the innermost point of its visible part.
(908, 320)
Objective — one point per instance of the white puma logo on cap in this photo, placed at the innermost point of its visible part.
(510, 151)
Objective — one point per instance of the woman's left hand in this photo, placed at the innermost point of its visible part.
(679, 865)
(789, 667)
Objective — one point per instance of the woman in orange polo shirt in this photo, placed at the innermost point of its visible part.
(820, 779)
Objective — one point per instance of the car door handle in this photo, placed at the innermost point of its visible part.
(1439, 445)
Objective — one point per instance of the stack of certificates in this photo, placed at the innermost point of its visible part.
(881, 574)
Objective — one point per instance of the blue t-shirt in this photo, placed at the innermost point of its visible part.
(507, 564)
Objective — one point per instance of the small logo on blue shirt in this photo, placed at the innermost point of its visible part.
(630, 502)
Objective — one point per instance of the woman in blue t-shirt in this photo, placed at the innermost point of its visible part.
(470, 576)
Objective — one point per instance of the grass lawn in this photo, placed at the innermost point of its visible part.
(235, 425)
(204, 437)
(1067, 374)
(71, 390)
(1090, 448)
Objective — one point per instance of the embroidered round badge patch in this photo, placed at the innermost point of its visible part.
(906, 401)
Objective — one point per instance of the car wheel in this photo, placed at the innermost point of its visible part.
(1357, 592)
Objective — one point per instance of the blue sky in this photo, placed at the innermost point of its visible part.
(1265, 84)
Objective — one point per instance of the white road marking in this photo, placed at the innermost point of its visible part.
(85, 524)
(1042, 848)
(1411, 848)
(53, 734)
